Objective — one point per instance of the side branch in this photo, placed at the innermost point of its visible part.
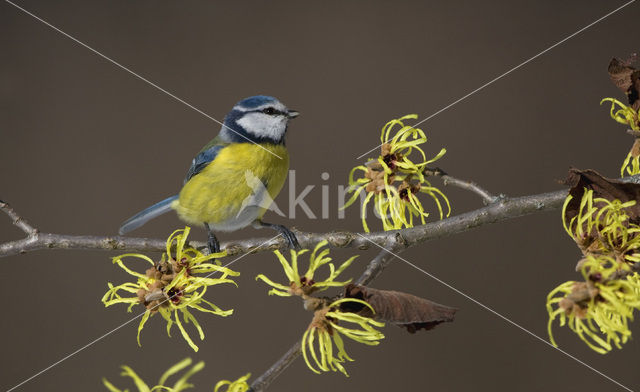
(487, 198)
(18, 220)
(261, 383)
(377, 265)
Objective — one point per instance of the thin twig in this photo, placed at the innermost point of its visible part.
(377, 265)
(487, 198)
(633, 133)
(18, 220)
(261, 383)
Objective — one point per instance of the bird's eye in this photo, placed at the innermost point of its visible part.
(270, 111)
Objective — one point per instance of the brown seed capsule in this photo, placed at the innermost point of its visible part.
(566, 304)
(635, 149)
(579, 311)
(167, 278)
(375, 166)
(156, 285)
(385, 149)
(371, 187)
(153, 306)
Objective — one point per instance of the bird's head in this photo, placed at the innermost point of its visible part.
(259, 119)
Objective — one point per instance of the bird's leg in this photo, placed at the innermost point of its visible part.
(212, 241)
(286, 233)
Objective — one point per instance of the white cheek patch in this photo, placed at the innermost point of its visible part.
(263, 125)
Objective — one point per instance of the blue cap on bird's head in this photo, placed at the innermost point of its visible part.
(256, 101)
(258, 119)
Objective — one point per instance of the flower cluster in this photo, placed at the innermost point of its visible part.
(305, 285)
(629, 116)
(173, 285)
(624, 114)
(324, 330)
(239, 385)
(599, 308)
(393, 181)
(180, 385)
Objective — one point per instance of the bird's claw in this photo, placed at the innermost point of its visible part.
(212, 242)
(288, 235)
(213, 245)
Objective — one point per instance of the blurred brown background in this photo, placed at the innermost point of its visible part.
(85, 145)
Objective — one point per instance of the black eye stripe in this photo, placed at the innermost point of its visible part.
(271, 111)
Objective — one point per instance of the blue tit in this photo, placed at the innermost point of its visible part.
(236, 176)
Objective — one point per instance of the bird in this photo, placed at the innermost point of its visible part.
(234, 178)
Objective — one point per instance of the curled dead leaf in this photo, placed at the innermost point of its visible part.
(606, 188)
(405, 310)
(626, 78)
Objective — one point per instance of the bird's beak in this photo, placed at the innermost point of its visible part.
(292, 114)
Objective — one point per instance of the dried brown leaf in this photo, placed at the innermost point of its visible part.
(610, 189)
(405, 310)
(626, 78)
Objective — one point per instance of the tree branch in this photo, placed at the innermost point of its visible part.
(487, 198)
(62, 241)
(500, 210)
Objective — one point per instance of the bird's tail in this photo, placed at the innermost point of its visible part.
(147, 214)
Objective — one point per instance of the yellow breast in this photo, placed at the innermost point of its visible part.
(219, 192)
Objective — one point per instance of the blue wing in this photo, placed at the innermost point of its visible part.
(201, 160)
(206, 156)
